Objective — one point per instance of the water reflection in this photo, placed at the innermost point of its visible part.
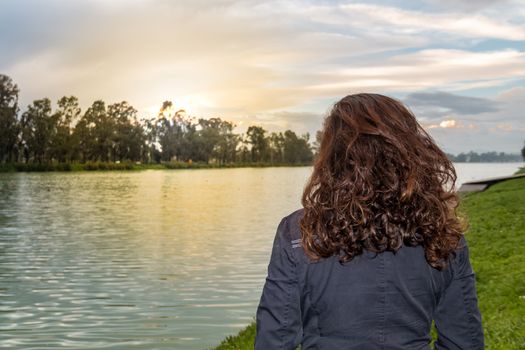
(138, 260)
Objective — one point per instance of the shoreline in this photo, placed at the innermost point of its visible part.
(132, 166)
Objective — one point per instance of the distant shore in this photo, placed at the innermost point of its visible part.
(108, 166)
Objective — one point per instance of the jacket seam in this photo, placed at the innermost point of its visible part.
(288, 294)
(289, 254)
(469, 312)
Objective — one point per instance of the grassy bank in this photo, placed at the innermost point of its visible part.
(496, 239)
(105, 166)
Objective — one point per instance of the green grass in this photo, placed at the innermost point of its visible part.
(496, 238)
(243, 340)
(497, 244)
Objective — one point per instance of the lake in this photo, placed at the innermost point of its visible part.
(154, 259)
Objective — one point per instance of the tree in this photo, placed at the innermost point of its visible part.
(64, 145)
(296, 150)
(243, 152)
(258, 142)
(317, 142)
(9, 124)
(226, 149)
(216, 140)
(95, 132)
(151, 152)
(208, 136)
(38, 130)
(276, 143)
(174, 133)
(129, 139)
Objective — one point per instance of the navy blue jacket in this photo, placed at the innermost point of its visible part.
(375, 301)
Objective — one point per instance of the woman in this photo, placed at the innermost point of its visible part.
(377, 252)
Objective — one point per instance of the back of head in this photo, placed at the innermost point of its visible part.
(379, 181)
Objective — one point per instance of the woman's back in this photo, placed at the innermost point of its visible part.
(377, 251)
(374, 301)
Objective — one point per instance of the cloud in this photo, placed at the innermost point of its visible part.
(450, 69)
(469, 5)
(395, 20)
(478, 139)
(450, 124)
(458, 129)
(513, 100)
(435, 104)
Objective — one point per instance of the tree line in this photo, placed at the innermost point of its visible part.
(115, 133)
(487, 157)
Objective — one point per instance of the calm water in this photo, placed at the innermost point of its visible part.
(156, 259)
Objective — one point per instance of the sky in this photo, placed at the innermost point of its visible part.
(458, 65)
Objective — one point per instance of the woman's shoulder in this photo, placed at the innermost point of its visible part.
(294, 231)
(296, 214)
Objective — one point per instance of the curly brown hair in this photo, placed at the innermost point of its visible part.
(379, 181)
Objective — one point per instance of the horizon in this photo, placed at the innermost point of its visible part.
(280, 65)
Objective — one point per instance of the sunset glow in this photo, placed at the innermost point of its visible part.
(448, 123)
